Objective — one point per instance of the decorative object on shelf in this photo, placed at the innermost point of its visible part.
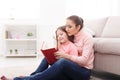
(16, 51)
(11, 51)
(29, 34)
(6, 34)
(9, 35)
(35, 52)
(17, 37)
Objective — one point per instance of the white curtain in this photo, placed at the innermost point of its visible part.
(90, 9)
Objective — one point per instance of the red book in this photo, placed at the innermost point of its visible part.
(49, 55)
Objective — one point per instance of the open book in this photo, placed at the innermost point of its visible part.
(49, 54)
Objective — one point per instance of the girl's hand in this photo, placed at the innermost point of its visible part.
(59, 55)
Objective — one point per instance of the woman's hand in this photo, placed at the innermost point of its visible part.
(59, 55)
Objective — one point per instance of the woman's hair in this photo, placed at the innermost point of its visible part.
(71, 38)
(77, 20)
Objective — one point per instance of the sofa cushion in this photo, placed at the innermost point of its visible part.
(112, 27)
(107, 46)
(96, 25)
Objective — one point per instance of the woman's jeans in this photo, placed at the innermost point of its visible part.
(62, 69)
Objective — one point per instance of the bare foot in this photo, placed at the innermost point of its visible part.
(5, 78)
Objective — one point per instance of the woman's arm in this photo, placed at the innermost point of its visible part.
(86, 52)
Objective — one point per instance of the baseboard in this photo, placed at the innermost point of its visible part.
(105, 75)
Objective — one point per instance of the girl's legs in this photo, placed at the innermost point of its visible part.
(59, 68)
(52, 73)
(43, 65)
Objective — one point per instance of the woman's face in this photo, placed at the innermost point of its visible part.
(71, 27)
(61, 36)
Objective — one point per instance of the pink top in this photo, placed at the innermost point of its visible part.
(68, 48)
(84, 43)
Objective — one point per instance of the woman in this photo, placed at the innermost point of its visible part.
(78, 67)
(82, 64)
(70, 67)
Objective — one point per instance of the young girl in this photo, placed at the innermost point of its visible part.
(64, 45)
(64, 42)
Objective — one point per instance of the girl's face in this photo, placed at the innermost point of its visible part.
(61, 36)
(71, 27)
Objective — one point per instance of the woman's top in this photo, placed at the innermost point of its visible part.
(84, 44)
(68, 48)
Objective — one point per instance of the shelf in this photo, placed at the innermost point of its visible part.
(20, 39)
(20, 55)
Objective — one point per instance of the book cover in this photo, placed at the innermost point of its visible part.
(49, 55)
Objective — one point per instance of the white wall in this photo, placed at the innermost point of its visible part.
(2, 43)
(52, 15)
(52, 12)
(2, 36)
(20, 9)
(119, 7)
(93, 9)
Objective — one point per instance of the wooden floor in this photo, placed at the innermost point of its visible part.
(13, 67)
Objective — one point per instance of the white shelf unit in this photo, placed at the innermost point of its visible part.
(21, 40)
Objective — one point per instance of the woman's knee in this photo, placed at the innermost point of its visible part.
(62, 62)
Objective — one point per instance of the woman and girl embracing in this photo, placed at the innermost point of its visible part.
(75, 55)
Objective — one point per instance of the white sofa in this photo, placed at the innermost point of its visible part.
(106, 43)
